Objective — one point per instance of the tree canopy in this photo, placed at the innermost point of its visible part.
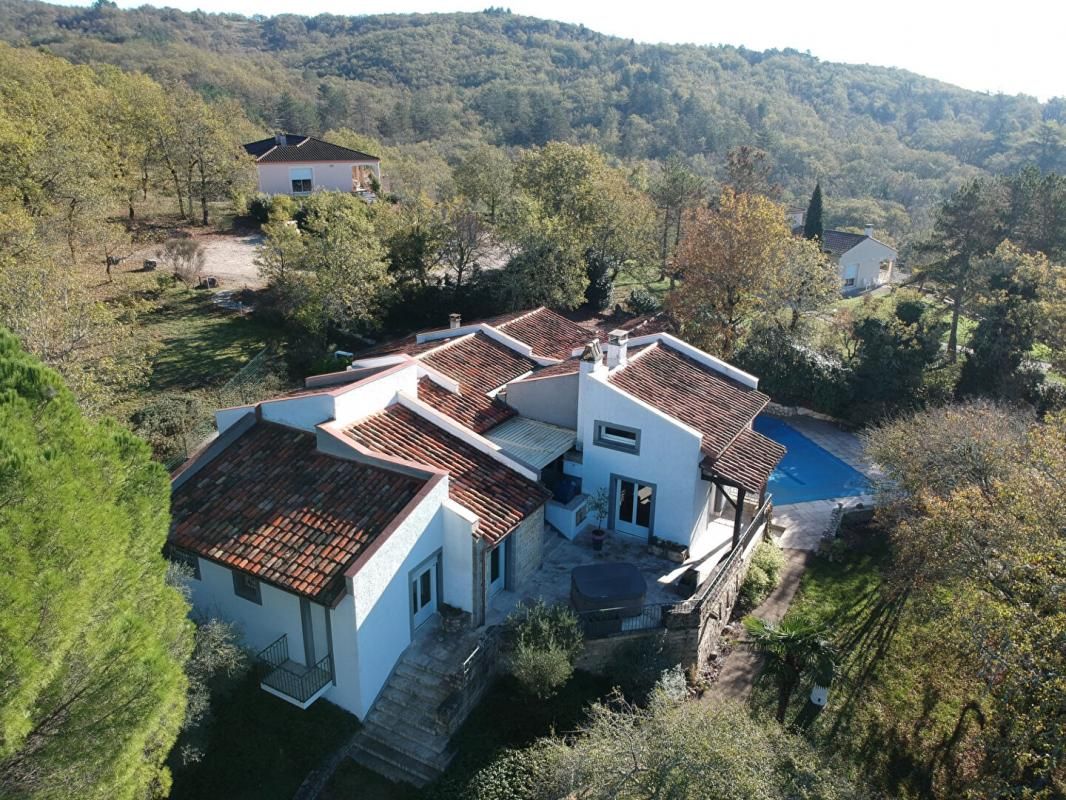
(92, 638)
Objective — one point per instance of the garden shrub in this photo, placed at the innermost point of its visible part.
(264, 208)
(543, 641)
(638, 665)
(764, 574)
(641, 301)
(541, 671)
(514, 774)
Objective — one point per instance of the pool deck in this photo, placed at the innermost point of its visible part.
(804, 523)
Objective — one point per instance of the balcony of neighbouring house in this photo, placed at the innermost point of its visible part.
(290, 680)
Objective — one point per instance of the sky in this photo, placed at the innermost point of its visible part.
(1014, 47)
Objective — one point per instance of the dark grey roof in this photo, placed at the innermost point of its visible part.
(302, 148)
(839, 242)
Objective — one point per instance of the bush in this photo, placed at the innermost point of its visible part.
(641, 301)
(514, 774)
(541, 671)
(185, 257)
(763, 576)
(544, 641)
(638, 665)
(263, 208)
(796, 375)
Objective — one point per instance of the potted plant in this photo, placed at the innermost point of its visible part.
(598, 505)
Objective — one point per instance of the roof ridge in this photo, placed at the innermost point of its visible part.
(445, 344)
(529, 313)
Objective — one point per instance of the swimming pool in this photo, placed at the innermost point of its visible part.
(808, 472)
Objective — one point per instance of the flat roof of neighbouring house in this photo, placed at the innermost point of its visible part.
(297, 147)
(497, 494)
(272, 505)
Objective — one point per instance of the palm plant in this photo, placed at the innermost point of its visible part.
(792, 648)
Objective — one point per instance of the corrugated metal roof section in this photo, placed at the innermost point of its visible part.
(531, 441)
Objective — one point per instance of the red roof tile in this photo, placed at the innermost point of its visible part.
(499, 496)
(716, 406)
(478, 363)
(476, 411)
(272, 505)
(748, 461)
(549, 334)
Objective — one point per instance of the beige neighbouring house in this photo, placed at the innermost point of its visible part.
(865, 262)
(298, 165)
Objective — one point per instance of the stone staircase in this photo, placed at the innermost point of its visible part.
(406, 736)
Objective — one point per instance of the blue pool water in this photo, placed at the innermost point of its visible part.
(808, 472)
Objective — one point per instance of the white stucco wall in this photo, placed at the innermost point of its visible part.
(669, 456)
(274, 178)
(382, 595)
(260, 625)
(459, 555)
(866, 258)
(551, 400)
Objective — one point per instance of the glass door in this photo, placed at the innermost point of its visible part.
(424, 593)
(633, 512)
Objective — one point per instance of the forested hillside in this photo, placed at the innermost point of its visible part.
(888, 145)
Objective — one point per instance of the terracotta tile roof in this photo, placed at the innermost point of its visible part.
(549, 334)
(478, 363)
(476, 411)
(748, 461)
(716, 406)
(572, 365)
(499, 496)
(408, 345)
(273, 506)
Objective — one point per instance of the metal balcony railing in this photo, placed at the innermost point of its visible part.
(296, 681)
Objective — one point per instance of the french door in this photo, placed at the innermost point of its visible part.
(424, 593)
(634, 507)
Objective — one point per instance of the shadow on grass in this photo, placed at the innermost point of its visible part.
(201, 345)
(260, 747)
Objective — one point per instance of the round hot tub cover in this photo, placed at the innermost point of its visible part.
(594, 587)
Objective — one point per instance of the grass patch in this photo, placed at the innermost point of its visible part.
(506, 719)
(898, 709)
(261, 748)
(200, 345)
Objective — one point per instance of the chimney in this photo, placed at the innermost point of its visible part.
(869, 230)
(454, 321)
(617, 348)
(279, 139)
(591, 357)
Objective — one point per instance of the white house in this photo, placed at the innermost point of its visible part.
(865, 262)
(297, 165)
(333, 523)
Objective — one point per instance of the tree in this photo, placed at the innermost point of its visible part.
(969, 225)
(730, 259)
(92, 638)
(792, 649)
(333, 273)
(464, 241)
(1003, 339)
(484, 178)
(585, 216)
(978, 539)
(813, 227)
(682, 750)
(748, 170)
(807, 282)
(892, 357)
(674, 191)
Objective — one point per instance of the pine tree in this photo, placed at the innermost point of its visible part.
(813, 228)
(92, 638)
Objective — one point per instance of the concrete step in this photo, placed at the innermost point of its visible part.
(423, 677)
(418, 717)
(418, 743)
(412, 696)
(396, 765)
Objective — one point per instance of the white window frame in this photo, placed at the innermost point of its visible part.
(301, 174)
(606, 436)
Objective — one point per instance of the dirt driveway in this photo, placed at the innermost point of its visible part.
(230, 257)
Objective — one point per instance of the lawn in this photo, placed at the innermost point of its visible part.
(507, 718)
(261, 748)
(894, 709)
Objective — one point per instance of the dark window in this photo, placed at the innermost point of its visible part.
(247, 587)
(186, 559)
(425, 579)
(494, 566)
(301, 185)
(618, 437)
(644, 494)
(625, 501)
